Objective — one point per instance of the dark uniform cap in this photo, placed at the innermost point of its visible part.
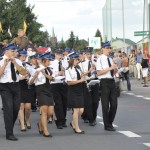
(10, 47)
(59, 51)
(106, 44)
(22, 52)
(73, 55)
(67, 49)
(47, 56)
(32, 56)
(38, 56)
(89, 50)
(73, 51)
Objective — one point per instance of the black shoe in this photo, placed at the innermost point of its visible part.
(40, 131)
(86, 121)
(92, 123)
(50, 122)
(82, 132)
(11, 138)
(28, 126)
(64, 125)
(49, 135)
(110, 129)
(59, 127)
(72, 126)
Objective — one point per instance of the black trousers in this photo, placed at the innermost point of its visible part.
(108, 100)
(60, 98)
(10, 94)
(95, 99)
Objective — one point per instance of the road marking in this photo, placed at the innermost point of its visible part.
(147, 144)
(147, 98)
(98, 117)
(113, 124)
(129, 134)
(130, 93)
(139, 96)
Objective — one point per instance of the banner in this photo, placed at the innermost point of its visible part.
(95, 42)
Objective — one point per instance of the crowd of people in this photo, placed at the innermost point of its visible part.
(61, 80)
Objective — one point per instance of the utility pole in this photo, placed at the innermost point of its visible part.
(123, 24)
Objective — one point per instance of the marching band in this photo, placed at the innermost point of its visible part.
(63, 80)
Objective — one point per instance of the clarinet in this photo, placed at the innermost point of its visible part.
(82, 74)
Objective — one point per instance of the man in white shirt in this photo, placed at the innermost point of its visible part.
(105, 71)
(10, 68)
(91, 97)
(65, 57)
(59, 90)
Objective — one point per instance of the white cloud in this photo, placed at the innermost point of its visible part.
(84, 17)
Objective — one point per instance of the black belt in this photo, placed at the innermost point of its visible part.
(10, 83)
(107, 79)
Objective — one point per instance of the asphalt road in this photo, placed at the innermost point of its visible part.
(132, 121)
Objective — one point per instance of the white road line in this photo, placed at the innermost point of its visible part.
(130, 93)
(113, 124)
(123, 91)
(147, 144)
(129, 134)
(139, 96)
(147, 98)
(98, 117)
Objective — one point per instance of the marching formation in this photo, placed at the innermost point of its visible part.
(57, 81)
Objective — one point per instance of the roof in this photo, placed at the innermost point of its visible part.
(127, 41)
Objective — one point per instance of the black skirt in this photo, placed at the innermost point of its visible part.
(27, 94)
(44, 95)
(75, 96)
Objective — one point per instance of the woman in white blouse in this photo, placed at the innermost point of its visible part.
(75, 91)
(42, 77)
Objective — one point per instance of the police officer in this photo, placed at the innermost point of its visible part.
(10, 67)
(59, 90)
(105, 71)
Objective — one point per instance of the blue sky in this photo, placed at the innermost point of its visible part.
(85, 16)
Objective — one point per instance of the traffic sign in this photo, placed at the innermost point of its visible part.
(141, 33)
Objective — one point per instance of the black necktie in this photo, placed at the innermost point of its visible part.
(78, 74)
(47, 80)
(13, 73)
(111, 71)
(89, 66)
(59, 66)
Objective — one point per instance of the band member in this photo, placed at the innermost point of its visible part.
(27, 95)
(105, 71)
(75, 91)
(65, 57)
(34, 63)
(10, 89)
(91, 92)
(59, 90)
(42, 78)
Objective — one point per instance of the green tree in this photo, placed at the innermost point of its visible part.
(71, 41)
(61, 44)
(98, 34)
(14, 12)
